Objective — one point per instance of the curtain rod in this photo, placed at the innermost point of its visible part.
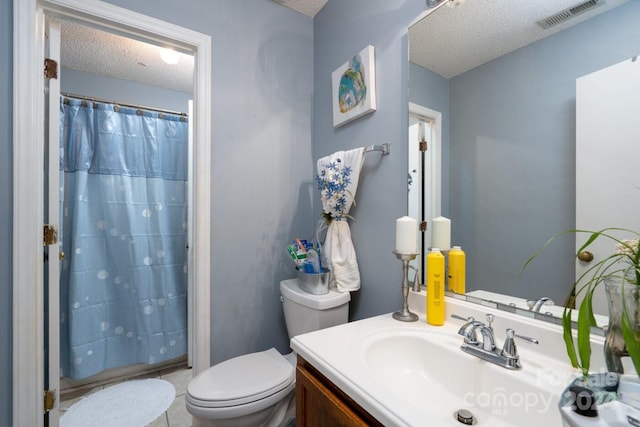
(121, 104)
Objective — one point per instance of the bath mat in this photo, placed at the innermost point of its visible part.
(133, 403)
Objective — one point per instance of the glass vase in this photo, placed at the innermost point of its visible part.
(614, 346)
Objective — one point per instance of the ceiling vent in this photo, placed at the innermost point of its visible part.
(569, 13)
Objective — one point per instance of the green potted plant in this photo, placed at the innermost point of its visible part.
(620, 274)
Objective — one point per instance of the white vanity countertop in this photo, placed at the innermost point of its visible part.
(337, 353)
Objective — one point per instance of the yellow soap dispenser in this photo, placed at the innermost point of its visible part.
(435, 287)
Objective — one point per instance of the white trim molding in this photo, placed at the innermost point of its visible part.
(436, 156)
(28, 202)
(28, 214)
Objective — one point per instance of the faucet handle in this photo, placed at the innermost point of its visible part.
(525, 338)
(490, 319)
(466, 319)
(509, 349)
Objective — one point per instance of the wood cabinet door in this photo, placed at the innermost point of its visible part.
(320, 403)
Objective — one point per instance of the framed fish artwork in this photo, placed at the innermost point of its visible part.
(354, 88)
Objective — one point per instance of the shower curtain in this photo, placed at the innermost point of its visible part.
(124, 234)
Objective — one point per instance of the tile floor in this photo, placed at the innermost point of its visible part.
(176, 415)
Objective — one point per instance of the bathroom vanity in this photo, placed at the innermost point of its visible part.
(380, 371)
(320, 402)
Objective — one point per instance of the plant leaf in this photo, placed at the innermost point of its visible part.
(584, 333)
(590, 240)
(588, 281)
(542, 248)
(567, 335)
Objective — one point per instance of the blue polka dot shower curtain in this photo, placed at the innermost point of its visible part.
(123, 199)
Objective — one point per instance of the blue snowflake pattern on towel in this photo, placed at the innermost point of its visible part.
(333, 182)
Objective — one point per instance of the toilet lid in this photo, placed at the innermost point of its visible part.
(242, 379)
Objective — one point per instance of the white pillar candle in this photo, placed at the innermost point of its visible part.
(441, 233)
(406, 235)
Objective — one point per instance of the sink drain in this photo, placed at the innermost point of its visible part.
(464, 416)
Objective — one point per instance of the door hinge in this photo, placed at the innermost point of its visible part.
(423, 226)
(50, 235)
(49, 400)
(50, 69)
(423, 146)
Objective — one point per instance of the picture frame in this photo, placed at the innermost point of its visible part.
(353, 87)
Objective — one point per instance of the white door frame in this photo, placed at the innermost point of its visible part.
(28, 181)
(52, 276)
(434, 178)
(435, 147)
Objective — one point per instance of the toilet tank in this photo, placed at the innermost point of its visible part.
(305, 312)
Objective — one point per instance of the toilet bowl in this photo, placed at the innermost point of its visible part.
(256, 389)
(247, 390)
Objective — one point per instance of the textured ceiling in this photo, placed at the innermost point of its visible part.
(103, 53)
(455, 39)
(307, 7)
(98, 52)
(449, 41)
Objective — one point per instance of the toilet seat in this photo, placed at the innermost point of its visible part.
(242, 380)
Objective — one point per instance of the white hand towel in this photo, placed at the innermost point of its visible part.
(341, 254)
(338, 176)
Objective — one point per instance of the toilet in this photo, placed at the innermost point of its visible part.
(256, 389)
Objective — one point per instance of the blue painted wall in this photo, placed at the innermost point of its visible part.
(262, 67)
(341, 29)
(123, 91)
(512, 167)
(6, 215)
(261, 164)
(272, 80)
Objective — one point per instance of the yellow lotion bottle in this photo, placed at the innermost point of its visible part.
(457, 270)
(435, 287)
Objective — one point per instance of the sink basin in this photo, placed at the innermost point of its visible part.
(427, 369)
(414, 374)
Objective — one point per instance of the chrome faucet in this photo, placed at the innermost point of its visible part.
(488, 340)
(486, 349)
(468, 330)
(535, 306)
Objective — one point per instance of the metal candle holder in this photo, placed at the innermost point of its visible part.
(405, 315)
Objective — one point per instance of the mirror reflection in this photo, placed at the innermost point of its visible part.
(492, 83)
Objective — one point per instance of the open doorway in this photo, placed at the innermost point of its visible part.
(30, 356)
(124, 210)
(424, 175)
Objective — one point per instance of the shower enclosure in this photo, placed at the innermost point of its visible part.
(123, 201)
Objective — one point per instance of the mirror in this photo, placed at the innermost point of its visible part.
(505, 86)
